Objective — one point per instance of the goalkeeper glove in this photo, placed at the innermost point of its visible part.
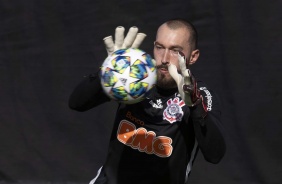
(186, 83)
(133, 39)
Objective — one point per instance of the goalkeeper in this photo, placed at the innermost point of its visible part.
(180, 116)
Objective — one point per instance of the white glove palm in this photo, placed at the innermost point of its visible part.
(187, 86)
(133, 39)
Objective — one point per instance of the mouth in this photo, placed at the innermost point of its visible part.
(162, 69)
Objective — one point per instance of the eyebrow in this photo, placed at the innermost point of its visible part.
(171, 47)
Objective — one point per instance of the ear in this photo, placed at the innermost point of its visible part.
(194, 56)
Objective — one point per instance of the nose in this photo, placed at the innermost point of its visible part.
(166, 57)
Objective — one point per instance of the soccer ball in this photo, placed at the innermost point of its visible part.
(127, 75)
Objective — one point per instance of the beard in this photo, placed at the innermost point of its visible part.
(164, 81)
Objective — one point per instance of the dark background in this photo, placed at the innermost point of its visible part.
(46, 47)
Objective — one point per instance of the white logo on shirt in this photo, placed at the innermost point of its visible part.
(158, 105)
(173, 111)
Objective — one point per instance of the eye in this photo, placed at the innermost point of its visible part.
(175, 51)
(158, 47)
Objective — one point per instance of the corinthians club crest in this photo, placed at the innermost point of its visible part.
(173, 111)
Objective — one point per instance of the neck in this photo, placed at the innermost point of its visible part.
(166, 91)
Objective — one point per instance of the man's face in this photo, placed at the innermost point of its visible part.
(166, 47)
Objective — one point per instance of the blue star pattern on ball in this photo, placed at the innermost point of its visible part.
(127, 75)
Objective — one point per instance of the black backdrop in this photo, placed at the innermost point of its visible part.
(46, 47)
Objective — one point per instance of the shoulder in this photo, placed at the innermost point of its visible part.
(202, 86)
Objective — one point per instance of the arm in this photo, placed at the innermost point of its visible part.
(87, 94)
(208, 128)
(205, 116)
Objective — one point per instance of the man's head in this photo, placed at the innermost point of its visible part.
(172, 37)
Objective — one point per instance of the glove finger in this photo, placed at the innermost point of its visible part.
(182, 64)
(174, 73)
(184, 71)
(138, 40)
(154, 62)
(192, 78)
(187, 80)
(109, 44)
(119, 37)
(130, 37)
